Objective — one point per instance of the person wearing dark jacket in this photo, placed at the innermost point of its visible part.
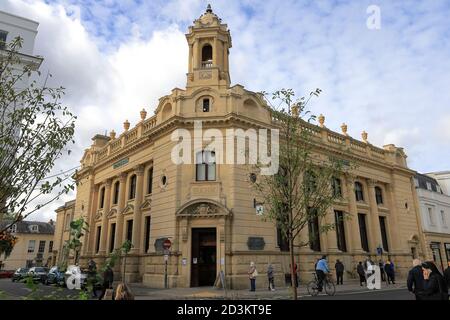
(434, 287)
(361, 273)
(390, 272)
(415, 280)
(339, 266)
(447, 275)
(108, 279)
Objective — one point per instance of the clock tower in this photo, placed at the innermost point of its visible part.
(209, 42)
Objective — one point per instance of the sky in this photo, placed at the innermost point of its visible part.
(115, 57)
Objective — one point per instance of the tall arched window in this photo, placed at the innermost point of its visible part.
(337, 189)
(116, 192)
(102, 198)
(150, 181)
(206, 166)
(310, 181)
(207, 53)
(379, 195)
(359, 191)
(132, 193)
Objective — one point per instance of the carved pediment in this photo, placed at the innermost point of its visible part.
(203, 208)
(112, 212)
(128, 209)
(146, 205)
(99, 215)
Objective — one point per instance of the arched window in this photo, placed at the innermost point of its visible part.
(205, 105)
(310, 181)
(116, 192)
(102, 197)
(132, 194)
(379, 195)
(150, 181)
(337, 190)
(206, 166)
(359, 191)
(207, 53)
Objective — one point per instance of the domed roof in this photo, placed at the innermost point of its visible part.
(209, 18)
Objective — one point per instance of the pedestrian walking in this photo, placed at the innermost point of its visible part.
(270, 276)
(447, 275)
(339, 266)
(390, 272)
(92, 276)
(435, 287)
(383, 274)
(252, 273)
(322, 270)
(415, 282)
(108, 279)
(361, 273)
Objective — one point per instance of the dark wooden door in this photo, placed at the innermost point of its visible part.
(204, 257)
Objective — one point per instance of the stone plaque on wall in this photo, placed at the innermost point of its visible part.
(256, 243)
(200, 191)
(159, 244)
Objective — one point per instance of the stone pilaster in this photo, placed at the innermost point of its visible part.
(374, 228)
(106, 208)
(355, 237)
(120, 207)
(137, 214)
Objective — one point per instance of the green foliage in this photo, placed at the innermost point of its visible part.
(35, 129)
(302, 190)
(77, 230)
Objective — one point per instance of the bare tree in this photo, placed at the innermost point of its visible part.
(300, 195)
(35, 129)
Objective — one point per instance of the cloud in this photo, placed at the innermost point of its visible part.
(115, 57)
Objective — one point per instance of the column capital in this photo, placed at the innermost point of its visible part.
(350, 179)
(139, 170)
(372, 182)
(108, 182)
(122, 176)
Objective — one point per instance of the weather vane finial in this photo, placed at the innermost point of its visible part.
(208, 9)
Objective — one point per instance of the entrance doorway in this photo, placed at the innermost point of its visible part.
(437, 257)
(204, 257)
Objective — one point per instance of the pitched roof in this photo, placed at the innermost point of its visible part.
(26, 227)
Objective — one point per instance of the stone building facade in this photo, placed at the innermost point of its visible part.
(434, 205)
(129, 188)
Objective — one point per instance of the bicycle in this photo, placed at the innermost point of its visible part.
(328, 285)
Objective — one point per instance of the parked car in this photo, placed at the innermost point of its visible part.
(38, 274)
(74, 270)
(19, 274)
(55, 276)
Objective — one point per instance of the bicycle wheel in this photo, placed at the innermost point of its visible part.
(330, 288)
(313, 288)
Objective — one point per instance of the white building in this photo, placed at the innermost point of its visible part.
(12, 26)
(435, 215)
(443, 178)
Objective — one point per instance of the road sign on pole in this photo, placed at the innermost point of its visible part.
(167, 244)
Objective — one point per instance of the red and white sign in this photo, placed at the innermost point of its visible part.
(167, 244)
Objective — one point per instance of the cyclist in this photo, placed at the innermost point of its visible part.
(322, 270)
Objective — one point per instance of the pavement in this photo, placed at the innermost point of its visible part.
(349, 289)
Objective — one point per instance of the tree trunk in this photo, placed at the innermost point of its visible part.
(293, 274)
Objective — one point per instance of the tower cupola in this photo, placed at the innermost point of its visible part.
(209, 42)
